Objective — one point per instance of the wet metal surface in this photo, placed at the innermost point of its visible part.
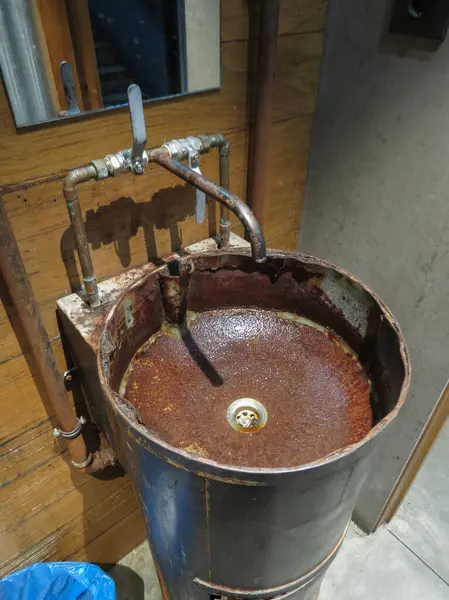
(314, 390)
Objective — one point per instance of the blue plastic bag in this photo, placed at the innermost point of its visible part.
(58, 581)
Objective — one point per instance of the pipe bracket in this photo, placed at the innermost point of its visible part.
(84, 464)
(70, 435)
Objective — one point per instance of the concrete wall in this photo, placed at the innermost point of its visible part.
(377, 201)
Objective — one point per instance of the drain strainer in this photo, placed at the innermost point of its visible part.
(247, 415)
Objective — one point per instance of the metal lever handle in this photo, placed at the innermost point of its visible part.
(200, 204)
(138, 128)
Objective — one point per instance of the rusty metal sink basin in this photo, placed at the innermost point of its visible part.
(293, 334)
(246, 399)
(313, 392)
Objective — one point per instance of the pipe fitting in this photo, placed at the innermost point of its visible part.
(180, 149)
(70, 435)
(77, 176)
(97, 461)
(115, 163)
(120, 162)
(215, 140)
(101, 168)
(84, 464)
(225, 147)
(101, 459)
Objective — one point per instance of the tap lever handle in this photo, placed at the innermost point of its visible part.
(200, 202)
(138, 127)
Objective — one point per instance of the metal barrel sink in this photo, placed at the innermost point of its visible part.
(246, 399)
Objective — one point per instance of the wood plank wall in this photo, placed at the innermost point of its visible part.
(50, 512)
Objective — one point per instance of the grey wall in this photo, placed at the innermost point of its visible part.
(377, 202)
(202, 44)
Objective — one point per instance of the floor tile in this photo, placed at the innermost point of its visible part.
(135, 576)
(380, 567)
(422, 521)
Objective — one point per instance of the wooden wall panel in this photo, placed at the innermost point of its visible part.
(48, 511)
(298, 16)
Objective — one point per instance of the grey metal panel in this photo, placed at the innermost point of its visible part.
(22, 64)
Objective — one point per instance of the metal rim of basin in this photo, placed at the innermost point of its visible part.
(226, 472)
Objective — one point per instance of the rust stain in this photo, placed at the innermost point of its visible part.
(195, 448)
(141, 439)
(174, 284)
(315, 391)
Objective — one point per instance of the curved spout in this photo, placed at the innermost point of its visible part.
(225, 197)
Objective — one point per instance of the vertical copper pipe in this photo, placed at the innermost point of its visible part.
(266, 65)
(225, 223)
(71, 195)
(25, 304)
(22, 296)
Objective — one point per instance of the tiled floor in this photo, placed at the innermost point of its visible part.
(380, 567)
(422, 522)
(407, 560)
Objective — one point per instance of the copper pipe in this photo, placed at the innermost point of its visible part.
(225, 197)
(266, 66)
(38, 343)
(225, 223)
(71, 195)
(224, 147)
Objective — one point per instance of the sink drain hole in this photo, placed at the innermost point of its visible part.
(247, 415)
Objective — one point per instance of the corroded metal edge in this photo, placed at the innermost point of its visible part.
(89, 320)
(246, 475)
